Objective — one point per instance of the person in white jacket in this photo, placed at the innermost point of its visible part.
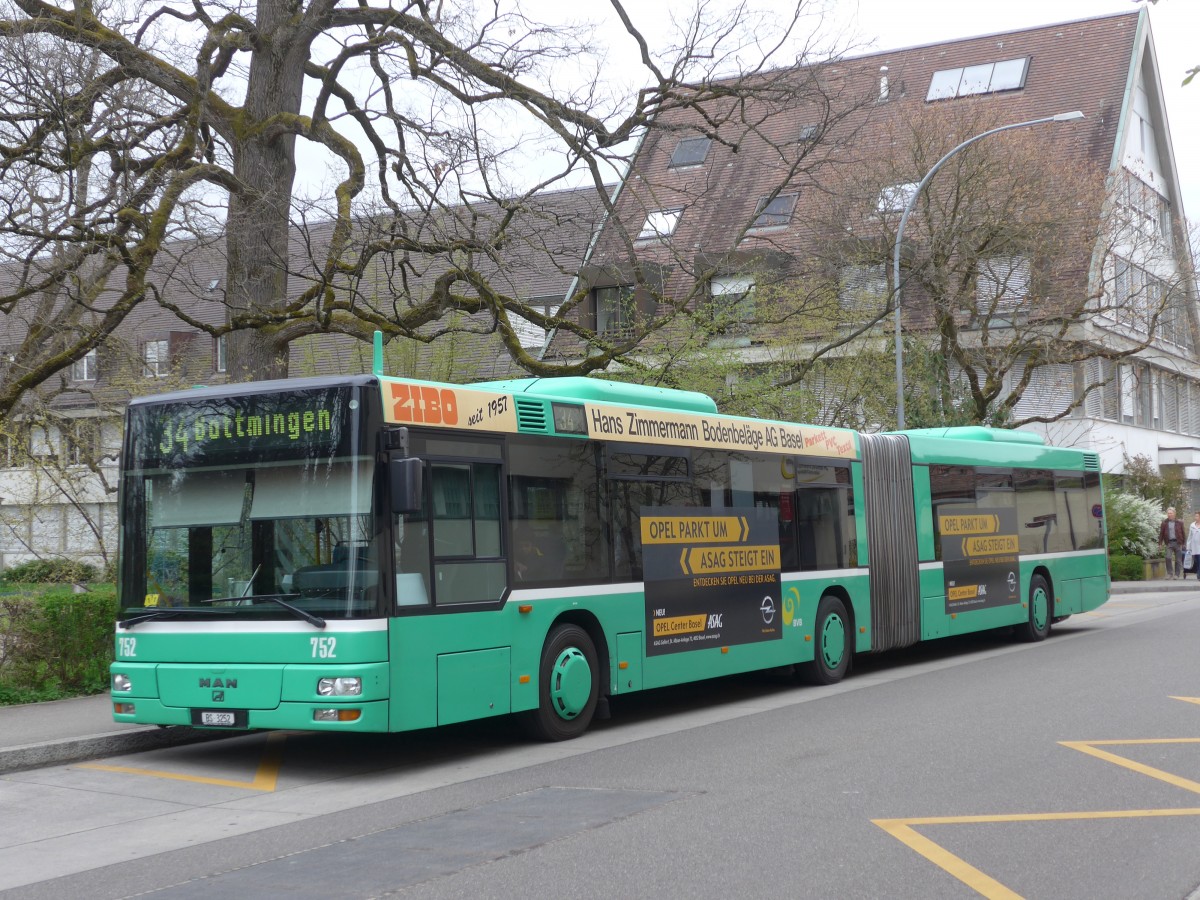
(1191, 550)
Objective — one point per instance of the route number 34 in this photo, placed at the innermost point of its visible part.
(324, 647)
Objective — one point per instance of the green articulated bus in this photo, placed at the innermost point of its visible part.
(378, 554)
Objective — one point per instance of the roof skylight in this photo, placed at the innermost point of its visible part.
(987, 78)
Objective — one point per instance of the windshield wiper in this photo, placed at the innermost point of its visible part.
(155, 614)
(274, 598)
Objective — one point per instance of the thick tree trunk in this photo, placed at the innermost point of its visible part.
(259, 215)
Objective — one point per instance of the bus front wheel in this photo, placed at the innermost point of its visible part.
(568, 686)
(1037, 625)
(832, 637)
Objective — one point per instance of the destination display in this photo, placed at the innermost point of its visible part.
(227, 430)
(980, 558)
(712, 577)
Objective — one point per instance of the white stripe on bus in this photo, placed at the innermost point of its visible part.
(337, 625)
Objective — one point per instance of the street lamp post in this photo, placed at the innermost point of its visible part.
(908, 207)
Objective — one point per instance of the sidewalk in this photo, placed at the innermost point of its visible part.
(65, 731)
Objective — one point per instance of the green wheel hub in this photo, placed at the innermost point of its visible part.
(833, 641)
(1039, 605)
(570, 683)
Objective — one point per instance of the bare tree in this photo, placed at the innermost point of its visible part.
(421, 113)
(91, 174)
(1021, 262)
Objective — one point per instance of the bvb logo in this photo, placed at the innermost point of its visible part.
(789, 605)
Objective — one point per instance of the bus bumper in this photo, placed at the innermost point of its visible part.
(368, 716)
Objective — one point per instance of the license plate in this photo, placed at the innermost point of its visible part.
(217, 718)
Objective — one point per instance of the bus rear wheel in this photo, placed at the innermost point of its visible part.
(1037, 625)
(568, 686)
(831, 655)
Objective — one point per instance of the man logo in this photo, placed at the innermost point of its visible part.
(218, 696)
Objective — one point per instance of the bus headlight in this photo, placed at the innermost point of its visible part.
(121, 683)
(339, 687)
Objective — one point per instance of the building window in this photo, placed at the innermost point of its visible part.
(863, 287)
(896, 197)
(809, 133)
(528, 333)
(84, 368)
(44, 442)
(1147, 304)
(1130, 395)
(1169, 389)
(1144, 207)
(660, 225)
(220, 362)
(155, 359)
(772, 213)
(80, 441)
(614, 309)
(988, 78)
(690, 152)
(731, 304)
(1001, 284)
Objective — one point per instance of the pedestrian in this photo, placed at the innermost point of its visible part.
(1172, 538)
(1191, 562)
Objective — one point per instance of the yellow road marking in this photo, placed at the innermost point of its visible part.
(264, 778)
(901, 830)
(1090, 748)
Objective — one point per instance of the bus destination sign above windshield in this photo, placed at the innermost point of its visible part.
(217, 430)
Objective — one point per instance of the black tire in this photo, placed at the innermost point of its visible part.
(833, 644)
(1041, 611)
(568, 686)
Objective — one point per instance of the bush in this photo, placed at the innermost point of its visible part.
(57, 643)
(1132, 525)
(1126, 568)
(49, 571)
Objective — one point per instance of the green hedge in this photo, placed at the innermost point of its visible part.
(1127, 568)
(56, 643)
(49, 571)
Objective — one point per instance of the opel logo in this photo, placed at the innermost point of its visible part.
(768, 609)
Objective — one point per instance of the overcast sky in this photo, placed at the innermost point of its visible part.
(1175, 25)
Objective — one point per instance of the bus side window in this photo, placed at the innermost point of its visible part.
(555, 496)
(412, 560)
(638, 479)
(465, 507)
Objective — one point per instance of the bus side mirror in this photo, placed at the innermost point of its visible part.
(405, 478)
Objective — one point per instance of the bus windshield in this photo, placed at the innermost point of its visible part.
(207, 530)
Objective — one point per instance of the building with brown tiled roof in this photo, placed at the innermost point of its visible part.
(1061, 244)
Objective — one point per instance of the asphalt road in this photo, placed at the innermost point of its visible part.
(1064, 769)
